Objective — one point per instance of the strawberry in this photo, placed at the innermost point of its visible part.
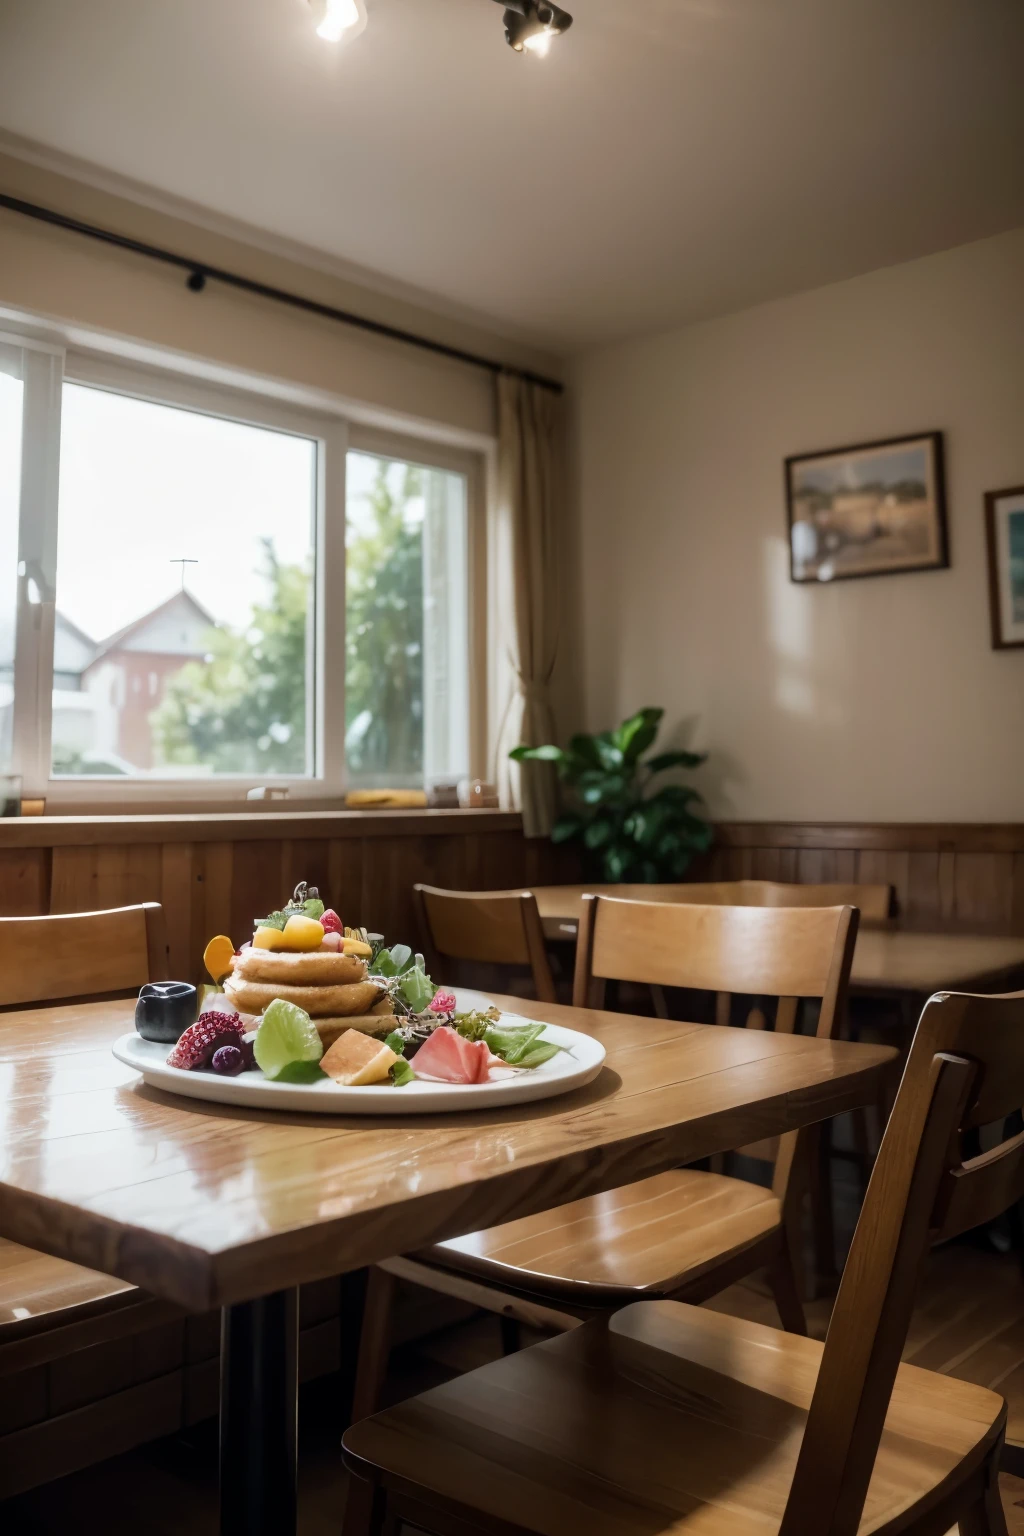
(196, 1047)
(332, 923)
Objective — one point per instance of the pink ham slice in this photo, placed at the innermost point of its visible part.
(448, 1057)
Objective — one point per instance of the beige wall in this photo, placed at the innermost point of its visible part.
(878, 699)
(66, 278)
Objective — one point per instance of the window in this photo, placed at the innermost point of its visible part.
(185, 561)
(11, 391)
(202, 591)
(407, 641)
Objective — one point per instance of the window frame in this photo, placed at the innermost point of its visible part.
(335, 433)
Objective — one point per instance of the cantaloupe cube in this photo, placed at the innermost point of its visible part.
(355, 1060)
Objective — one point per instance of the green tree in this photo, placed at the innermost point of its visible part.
(384, 631)
(244, 709)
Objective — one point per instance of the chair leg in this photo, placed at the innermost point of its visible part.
(821, 1209)
(986, 1518)
(374, 1344)
(366, 1509)
(511, 1339)
(786, 1292)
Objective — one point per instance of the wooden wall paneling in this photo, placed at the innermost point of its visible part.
(886, 867)
(947, 886)
(346, 868)
(813, 866)
(255, 885)
(306, 859)
(177, 895)
(213, 871)
(494, 863)
(967, 878)
(25, 881)
(920, 905)
(88, 879)
(983, 890)
(71, 879)
(387, 884)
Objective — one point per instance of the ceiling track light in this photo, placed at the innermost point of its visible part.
(530, 25)
(338, 21)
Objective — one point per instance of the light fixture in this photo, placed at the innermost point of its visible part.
(531, 24)
(338, 20)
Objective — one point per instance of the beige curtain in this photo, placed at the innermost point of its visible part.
(529, 423)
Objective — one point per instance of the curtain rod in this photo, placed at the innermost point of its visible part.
(199, 272)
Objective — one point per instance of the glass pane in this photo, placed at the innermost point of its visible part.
(183, 633)
(407, 624)
(11, 390)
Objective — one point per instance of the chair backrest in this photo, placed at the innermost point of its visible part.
(497, 927)
(874, 901)
(81, 954)
(784, 952)
(965, 1069)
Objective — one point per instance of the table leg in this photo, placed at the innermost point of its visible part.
(259, 1401)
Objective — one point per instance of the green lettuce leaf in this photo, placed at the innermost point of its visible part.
(302, 1072)
(538, 1054)
(417, 988)
(272, 920)
(402, 1073)
(520, 1045)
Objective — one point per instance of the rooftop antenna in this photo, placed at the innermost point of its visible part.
(183, 563)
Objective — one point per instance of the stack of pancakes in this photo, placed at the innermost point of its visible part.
(334, 989)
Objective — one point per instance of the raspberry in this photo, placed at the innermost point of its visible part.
(444, 1002)
(330, 922)
(196, 1047)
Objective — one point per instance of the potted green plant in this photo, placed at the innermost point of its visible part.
(630, 830)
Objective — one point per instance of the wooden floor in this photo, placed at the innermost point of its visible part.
(969, 1322)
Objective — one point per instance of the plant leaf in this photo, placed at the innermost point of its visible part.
(608, 751)
(584, 749)
(567, 827)
(636, 734)
(545, 754)
(598, 832)
(665, 760)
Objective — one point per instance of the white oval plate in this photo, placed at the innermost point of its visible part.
(571, 1068)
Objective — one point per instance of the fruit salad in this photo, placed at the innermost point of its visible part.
(308, 1000)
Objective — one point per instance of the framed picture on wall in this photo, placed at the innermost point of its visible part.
(1004, 524)
(871, 510)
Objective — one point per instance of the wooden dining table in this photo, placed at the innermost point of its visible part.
(886, 960)
(206, 1205)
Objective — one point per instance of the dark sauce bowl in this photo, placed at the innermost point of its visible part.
(165, 1010)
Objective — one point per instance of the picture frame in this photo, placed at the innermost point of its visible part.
(870, 509)
(1004, 533)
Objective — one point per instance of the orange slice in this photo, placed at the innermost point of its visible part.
(217, 957)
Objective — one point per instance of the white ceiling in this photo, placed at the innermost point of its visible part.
(670, 159)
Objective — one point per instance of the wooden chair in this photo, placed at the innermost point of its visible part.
(674, 1420)
(682, 1234)
(48, 1306)
(496, 927)
(875, 901)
